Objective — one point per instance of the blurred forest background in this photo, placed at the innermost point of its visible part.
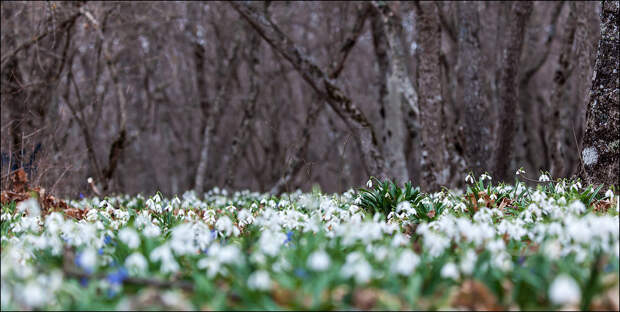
(274, 96)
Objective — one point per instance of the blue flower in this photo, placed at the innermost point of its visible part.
(84, 281)
(289, 237)
(117, 277)
(213, 234)
(299, 272)
(81, 195)
(107, 239)
(100, 251)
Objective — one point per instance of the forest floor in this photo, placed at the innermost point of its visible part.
(553, 246)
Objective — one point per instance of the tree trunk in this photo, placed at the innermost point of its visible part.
(396, 91)
(559, 111)
(477, 125)
(519, 14)
(212, 114)
(601, 142)
(434, 169)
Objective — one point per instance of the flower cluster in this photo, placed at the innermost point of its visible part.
(550, 246)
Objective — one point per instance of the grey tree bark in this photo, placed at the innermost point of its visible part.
(434, 170)
(518, 16)
(559, 112)
(213, 113)
(477, 126)
(601, 142)
(396, 92)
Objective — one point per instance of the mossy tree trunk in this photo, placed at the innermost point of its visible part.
(601, 142)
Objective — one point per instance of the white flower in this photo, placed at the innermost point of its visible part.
(576, 186)
(543, 178)
(520, 171)
(450, 270)
(577, 207)
(31, 205)
(270, 242)
(225, 225)
(229, 254)
(485, 176)
(88, 259)
(259, 280)
(318, 261)
(130, 237)
(369, 183)
(151, 230)
(182, 240)
(469, 179)
(609, 194)
(406, 263)
(34, 295)
(468, 262)
(356, 266)
(564, 290)
(136, 263)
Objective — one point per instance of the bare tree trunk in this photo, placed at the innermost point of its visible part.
(519, 14)
(533, 153)
(242, 132)
(396, 92)
(559, 111)
(601, 142)
(320, 82)
(435, 171)
(477, 125)
(213, 113)
(585, 45)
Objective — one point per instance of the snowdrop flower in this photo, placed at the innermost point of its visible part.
(87, 259)
(136, 263)
(450, 270)
(609, 194)
(406, 263)
(270, 242)
(520, 171)
(358, 200)
(485, 176)
(469, 179)
(30, 205)
(259, 280)
(225, 225)
(34, 294)
(576, 186)
(468, 262)
(369, 183)
(360, 270)
(151, 230)
(130, 237)
(543, 178)
(182, 240)
(245, 217)
(318, 261)
(577, 207)
(564, 290)
(553, 249)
